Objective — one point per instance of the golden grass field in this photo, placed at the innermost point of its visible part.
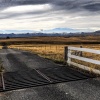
(53, 47)
(56, 52)
(52, 40)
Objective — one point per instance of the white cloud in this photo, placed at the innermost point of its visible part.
(26, 8)
(24, 17)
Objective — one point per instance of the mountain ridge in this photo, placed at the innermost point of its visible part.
(54, 30)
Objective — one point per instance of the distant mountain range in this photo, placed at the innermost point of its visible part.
(55, 30)
(61, 30)
(67, 32)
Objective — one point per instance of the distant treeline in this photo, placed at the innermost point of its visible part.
(83, 34)
(44, 42)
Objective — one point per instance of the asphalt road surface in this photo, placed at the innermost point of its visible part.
(30, 77)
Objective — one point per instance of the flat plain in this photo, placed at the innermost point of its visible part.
(53, 47)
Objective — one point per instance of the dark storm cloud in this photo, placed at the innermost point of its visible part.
(22, 2)
(77, 5)
(93, 7)
(71, 6)
(89, 5)
(28, 2)
(8, 15)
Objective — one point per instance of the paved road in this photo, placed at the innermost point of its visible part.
(30, 77)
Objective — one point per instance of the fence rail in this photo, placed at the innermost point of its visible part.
(84, 49)
(69, 55)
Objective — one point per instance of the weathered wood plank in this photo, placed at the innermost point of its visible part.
(66, 53)
(84, 49)
(85, 68)
(84, 59)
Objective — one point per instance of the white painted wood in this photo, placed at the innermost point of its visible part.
(84, 59)
(3, 83)
(85, 50)
(85, 68)
(69, 59)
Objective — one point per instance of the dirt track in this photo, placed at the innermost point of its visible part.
(25, 71)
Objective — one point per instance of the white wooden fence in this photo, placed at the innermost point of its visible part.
(69, 55)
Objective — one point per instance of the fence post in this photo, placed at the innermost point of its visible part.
(81, 52)
(3, 83)
(2, 77)
(65, 54)
(69, 59)
(66, 58)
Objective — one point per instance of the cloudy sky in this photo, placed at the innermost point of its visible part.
(49, 14)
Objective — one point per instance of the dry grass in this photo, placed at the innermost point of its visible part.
(53, 40)
(0, 47)
(53, 47)
(56, 52)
